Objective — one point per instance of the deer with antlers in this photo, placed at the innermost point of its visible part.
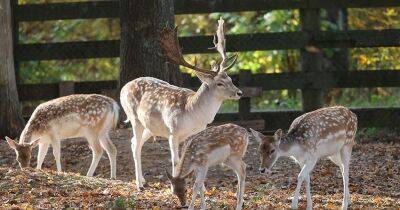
(156, 108)
(327, 132)
(91, 116)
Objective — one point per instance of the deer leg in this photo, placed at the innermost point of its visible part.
(346, 156)
(145, 136)
(197, 187)
(111, 150)
(174, 148)
(57, 153)
(43, 147)
(337, 160)
(308, 192)
(200, 178)
(307, 167)
(136, 145)
(97, 152)
(237, 164)
(195, 192)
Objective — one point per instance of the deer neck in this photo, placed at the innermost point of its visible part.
(289, 147)
(26, 134)
(204, 104)
(184, 165)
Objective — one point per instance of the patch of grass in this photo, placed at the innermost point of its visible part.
(264, 187)
(132, 202)
(122, 203)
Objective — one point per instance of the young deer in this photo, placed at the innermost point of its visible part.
(225, 144)
(90, 116)
(327, 132)
(156, 108)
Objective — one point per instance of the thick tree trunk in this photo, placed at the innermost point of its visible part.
(11, 122)
(141, 23)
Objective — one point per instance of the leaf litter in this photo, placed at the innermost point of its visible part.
(374, 180)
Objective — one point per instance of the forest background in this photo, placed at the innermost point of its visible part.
(273, 61)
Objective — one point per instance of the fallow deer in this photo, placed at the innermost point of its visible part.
(224, 144)
(327, 132)
(90, 116)
(156, 108)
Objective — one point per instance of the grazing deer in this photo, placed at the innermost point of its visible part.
(225, 144)
(156, 108)
(327, 132)
(90, 116)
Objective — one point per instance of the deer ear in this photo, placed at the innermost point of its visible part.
(34, 143)
(11, 143)
(256, 135)
(278, 135)
(204, 78)
(169, 176)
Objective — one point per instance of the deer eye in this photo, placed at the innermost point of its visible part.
(220, 84)
(272, 151)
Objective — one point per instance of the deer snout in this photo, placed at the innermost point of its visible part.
(239, 93)
(262, 170)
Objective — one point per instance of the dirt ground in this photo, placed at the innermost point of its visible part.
(374, 177)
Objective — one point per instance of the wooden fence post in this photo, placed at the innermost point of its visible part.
(311, 60)
(66, 88)
(244, 102)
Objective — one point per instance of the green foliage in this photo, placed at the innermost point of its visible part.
(273, 61)
(69, 70)
(241, 23)
(378, 134)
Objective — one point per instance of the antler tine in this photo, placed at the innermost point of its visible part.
(220, 45)
(170, 44)
(232, 63)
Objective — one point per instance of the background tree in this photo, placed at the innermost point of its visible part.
(11, 122)
(141, 23)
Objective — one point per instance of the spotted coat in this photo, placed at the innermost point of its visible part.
(87, 109)
(319, 126)
(196, 149)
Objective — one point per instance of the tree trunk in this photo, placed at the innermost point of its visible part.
(11, 122)
(141, 54)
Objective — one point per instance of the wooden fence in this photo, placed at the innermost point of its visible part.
(311, 81)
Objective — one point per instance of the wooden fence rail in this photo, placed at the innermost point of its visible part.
(310, 80)
(265, 82)
(253, 85)
(110, 9)
(236, 43)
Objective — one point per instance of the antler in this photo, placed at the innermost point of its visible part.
(220, 46)
(170, 44)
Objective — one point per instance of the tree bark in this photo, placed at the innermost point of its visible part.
(140, 52)
(11, 122)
